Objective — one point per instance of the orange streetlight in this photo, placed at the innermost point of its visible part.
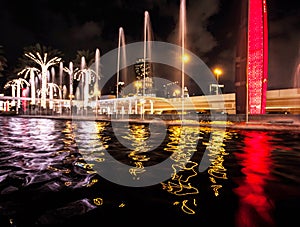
(185, 58)
(218, 72)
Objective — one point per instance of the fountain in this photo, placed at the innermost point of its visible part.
(52, 88)
(70, 73)
(296, 82)
(121, 47)
(33, 80)
(52, 75)
(44, 63)
(97, 93)
(147, 46)
(182, 34)
(84, 83)
(16, 85)
(61, 70)
(88, 78)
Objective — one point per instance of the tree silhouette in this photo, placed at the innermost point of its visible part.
(25, 62)
(3, 66)
(87, 54)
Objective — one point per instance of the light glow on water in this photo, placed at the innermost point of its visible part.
(252, 174)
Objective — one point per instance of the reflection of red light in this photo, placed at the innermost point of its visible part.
(24, 90)
(255, 206)
(257, 56)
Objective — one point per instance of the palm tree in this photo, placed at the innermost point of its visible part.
(3, 60)
(32, 72)
(16, 85)
(79, 69)
(44, 64)
(41, 58)
(88, 55)
(3, 65)
(86, 76)
(24, 61)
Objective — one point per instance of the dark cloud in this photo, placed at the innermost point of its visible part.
(88, 30)
(198, 38)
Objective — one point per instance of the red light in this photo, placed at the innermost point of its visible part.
(255, 204)
(257, 56)
(24, 102)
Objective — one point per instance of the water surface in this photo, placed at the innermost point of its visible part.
(52, 172)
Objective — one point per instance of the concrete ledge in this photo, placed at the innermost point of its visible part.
(257, 122)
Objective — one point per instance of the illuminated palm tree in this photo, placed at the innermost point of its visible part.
(44, 63)
(86, 76)
(33, 72)
(24, 61)
(16, 84)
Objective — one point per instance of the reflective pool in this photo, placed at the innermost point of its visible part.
(76, 172)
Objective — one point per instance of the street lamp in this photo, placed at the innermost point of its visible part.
(218, 72)
(185, 58)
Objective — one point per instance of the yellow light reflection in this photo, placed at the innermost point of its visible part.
(98, 201)
(138, 136)
(182, 144)
(92, 141)
(58, 170)
(187, 209)
(92, 146)
(216, 188)
(91, 183)
(137, 170)
(68, 183)
(122, 205)
(217, 153)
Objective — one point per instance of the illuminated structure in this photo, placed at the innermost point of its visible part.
(252, 58)
(143, 70)
(44, 63)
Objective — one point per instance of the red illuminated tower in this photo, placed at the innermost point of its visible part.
(252, 58)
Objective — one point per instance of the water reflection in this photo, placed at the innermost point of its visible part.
(182, 143)
(138, 136)
(255, 206)
(216, 149)
(92, 142)
(47, 175)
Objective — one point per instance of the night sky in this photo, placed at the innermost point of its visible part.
(71, 25)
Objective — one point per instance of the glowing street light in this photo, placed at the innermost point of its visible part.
(185, 58)
(218, 72)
